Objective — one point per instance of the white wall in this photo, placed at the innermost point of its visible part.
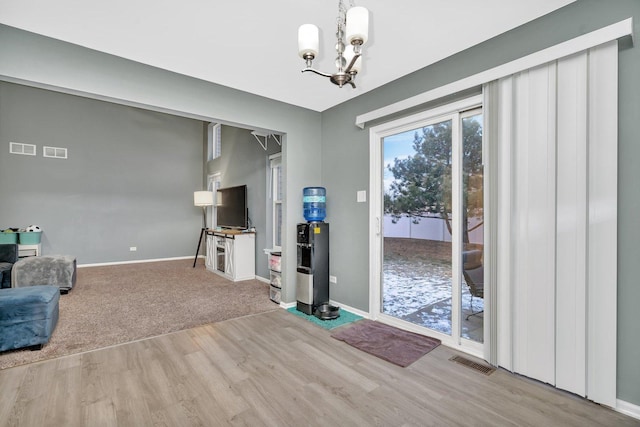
(428, 229)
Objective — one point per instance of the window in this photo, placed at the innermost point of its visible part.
(214, 140)
(214, 182)
(275, 164)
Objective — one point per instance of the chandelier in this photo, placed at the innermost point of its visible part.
(352, 23)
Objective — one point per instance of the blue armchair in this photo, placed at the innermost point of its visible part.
(8, 257)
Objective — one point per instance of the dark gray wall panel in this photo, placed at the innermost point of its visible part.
(128, 180)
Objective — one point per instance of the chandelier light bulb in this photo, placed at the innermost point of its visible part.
(308, 40)
(354, 23)
(357, 24)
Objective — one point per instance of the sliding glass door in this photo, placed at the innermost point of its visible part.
(417, 263)
(431, 240)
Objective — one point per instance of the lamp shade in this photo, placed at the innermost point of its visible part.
(357, 24)
(308, 40)
(203, 198)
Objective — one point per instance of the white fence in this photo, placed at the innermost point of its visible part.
(427, 229)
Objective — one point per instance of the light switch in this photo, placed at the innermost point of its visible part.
(361, 196)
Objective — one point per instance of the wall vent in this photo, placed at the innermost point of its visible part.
(487, 370)
(20, 148)
(54, 152)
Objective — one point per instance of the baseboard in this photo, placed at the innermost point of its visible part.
(137, 261)
(628, 409)
(351, 309)
(287, 305)
(262, 279)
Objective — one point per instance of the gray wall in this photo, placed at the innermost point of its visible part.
(244, 162)
(343, 168)
(44, 62)
(128, 180)
(345, 153)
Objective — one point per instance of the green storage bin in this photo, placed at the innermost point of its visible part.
(8, 238)
(30, 237)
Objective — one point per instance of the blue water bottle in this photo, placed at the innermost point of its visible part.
(314, 203)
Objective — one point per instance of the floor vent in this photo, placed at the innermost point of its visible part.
(487, 370)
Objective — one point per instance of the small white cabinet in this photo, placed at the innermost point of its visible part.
(231, 253)
(29, 250)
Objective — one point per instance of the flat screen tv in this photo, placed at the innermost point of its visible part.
(231, 207)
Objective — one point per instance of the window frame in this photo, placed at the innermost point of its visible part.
(214, 182)
(214, 141)
(276, 197)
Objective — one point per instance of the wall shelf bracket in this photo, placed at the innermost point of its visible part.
(263, 137)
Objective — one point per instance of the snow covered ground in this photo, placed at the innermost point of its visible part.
(420, 292)
(410, 286)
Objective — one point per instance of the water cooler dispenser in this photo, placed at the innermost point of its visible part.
(312, 277)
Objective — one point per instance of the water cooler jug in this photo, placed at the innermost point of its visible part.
(314, 203)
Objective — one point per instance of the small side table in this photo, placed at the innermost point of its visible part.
(29, 250)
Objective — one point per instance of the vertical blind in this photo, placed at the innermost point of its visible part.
(552, 131)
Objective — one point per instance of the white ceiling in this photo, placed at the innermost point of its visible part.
(252, 45)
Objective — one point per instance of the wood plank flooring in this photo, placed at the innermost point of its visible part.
(276, 369)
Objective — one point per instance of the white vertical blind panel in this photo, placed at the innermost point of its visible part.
(534, 302)
(571, 224)
(603, 227)
(520, 254)
(490, 199)
(502, 94)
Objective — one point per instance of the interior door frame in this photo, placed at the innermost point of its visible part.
(376, 134)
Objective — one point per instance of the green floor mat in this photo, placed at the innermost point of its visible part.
(345, 317)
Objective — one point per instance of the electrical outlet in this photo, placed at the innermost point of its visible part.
(333, 279)
(133, 249)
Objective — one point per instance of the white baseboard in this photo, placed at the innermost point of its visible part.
(287, 305)
(137, 261)
(351, 309)
(262, 279)
(628, 409)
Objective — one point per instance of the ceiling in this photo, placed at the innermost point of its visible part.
(251, 45)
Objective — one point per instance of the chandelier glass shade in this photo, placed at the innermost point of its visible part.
(353, 25)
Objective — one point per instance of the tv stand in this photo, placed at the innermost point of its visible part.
(231, 254)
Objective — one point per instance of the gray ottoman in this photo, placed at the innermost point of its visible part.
(56, 270)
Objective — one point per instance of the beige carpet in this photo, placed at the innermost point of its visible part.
(122, 303)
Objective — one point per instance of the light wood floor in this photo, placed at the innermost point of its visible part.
(276, 369)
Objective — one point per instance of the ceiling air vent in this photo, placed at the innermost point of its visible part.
(54, 152)
(20, 148)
